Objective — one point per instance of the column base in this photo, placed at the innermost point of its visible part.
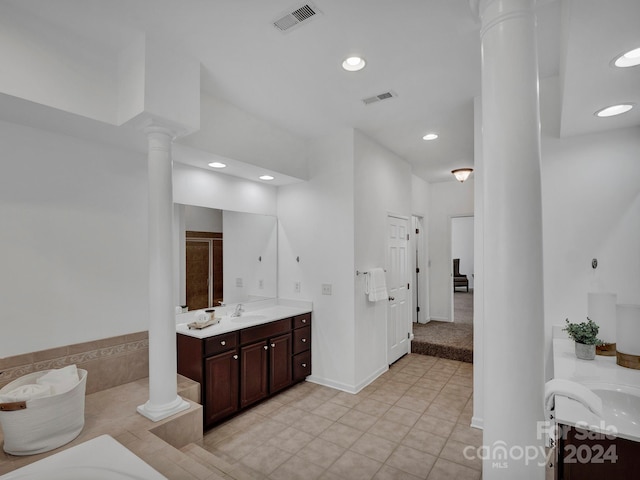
(156, 413)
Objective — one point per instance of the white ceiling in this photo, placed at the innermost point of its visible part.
(426, 51)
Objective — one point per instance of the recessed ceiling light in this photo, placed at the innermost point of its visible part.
(430, 136)
(353, 64)
(614, 110)
(266, 177)
(629, 59)
(217, 165)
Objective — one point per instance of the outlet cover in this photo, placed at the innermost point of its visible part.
(260, 284)
(238, 282)
(326, 289)
(296, 287)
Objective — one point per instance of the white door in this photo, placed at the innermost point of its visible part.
(398, 320)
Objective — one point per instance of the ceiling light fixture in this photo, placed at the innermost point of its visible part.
(462, 174)
(353, 64)
(217, 165)
(628, 59)
(266, 177)
(430, 136)
(614, 110)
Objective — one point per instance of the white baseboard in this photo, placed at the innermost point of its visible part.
(441, 319)
(343, 386)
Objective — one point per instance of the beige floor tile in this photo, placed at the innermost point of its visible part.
(265, 459)
(313, 424)
(424, 441)
(297, 469)
(412, 461)
(390, 430)
(307, 403)
(291, 440)
(356, 419)
(345, 399)
(459, 390)
(374, 447)
(431, 383)
(288, 414)
(354, 466)
(412, 403)
(462, 454)
(331, 410)
(373, 407)
(422, 393)
(386, 395)
(341, 435)
(467, 435)
(320, 452)
(387, 472)
(463, 381)
(450, 399)
(435, 425)
(402, 416)
(446, 470)
(446, 412)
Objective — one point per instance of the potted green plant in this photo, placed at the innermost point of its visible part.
(585, 337)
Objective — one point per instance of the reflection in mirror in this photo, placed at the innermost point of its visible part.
(226, 256)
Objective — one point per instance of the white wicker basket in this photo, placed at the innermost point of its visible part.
(46, 423)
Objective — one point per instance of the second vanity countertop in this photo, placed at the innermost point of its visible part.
(602, 372)
(255, 313)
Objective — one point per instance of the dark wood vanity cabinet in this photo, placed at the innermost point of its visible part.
(238, 369)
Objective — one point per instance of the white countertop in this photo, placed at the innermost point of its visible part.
(255, 313)
(601, 370)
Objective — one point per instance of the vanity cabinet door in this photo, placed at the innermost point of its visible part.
(253, 377)
(280, 362)
(221, 380)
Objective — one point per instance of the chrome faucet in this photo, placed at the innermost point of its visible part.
(238, 311)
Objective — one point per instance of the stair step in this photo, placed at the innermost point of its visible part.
(217, 465)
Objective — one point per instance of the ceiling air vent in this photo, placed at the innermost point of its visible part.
(378, 98)
(289, 20)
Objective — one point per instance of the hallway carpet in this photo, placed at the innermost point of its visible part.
(463, 307)
(444, 340)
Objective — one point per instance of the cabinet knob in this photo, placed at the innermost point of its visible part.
(223, 342)
(304, 320)
(304, 365)
(273, 345)
(235, 357)
(304, 340)
(266, 348)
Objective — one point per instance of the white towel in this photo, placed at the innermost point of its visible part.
(573, 390)
(61, 380)
(376, 286)
(24, 393)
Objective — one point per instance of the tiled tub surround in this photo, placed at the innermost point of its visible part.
(109, 361)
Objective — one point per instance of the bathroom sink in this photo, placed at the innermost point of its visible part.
(620, 405)
(248, 318)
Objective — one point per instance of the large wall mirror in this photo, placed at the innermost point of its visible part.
(226, 256)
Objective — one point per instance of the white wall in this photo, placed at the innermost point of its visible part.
(591, 209)
(382, 185)
(462, 245)
(202, 219)
(446, 200)
(203, 188)
(316, 221)
(73, 241)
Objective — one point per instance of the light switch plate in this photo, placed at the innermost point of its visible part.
(326, 289)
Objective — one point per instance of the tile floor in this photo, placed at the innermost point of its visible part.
(411, 423)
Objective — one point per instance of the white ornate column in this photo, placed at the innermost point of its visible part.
(513, 273)
(163, 398)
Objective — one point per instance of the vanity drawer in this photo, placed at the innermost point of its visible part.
(301, 339)
(301, 366)
(220, 343)
(262, 332)
(302, 320)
